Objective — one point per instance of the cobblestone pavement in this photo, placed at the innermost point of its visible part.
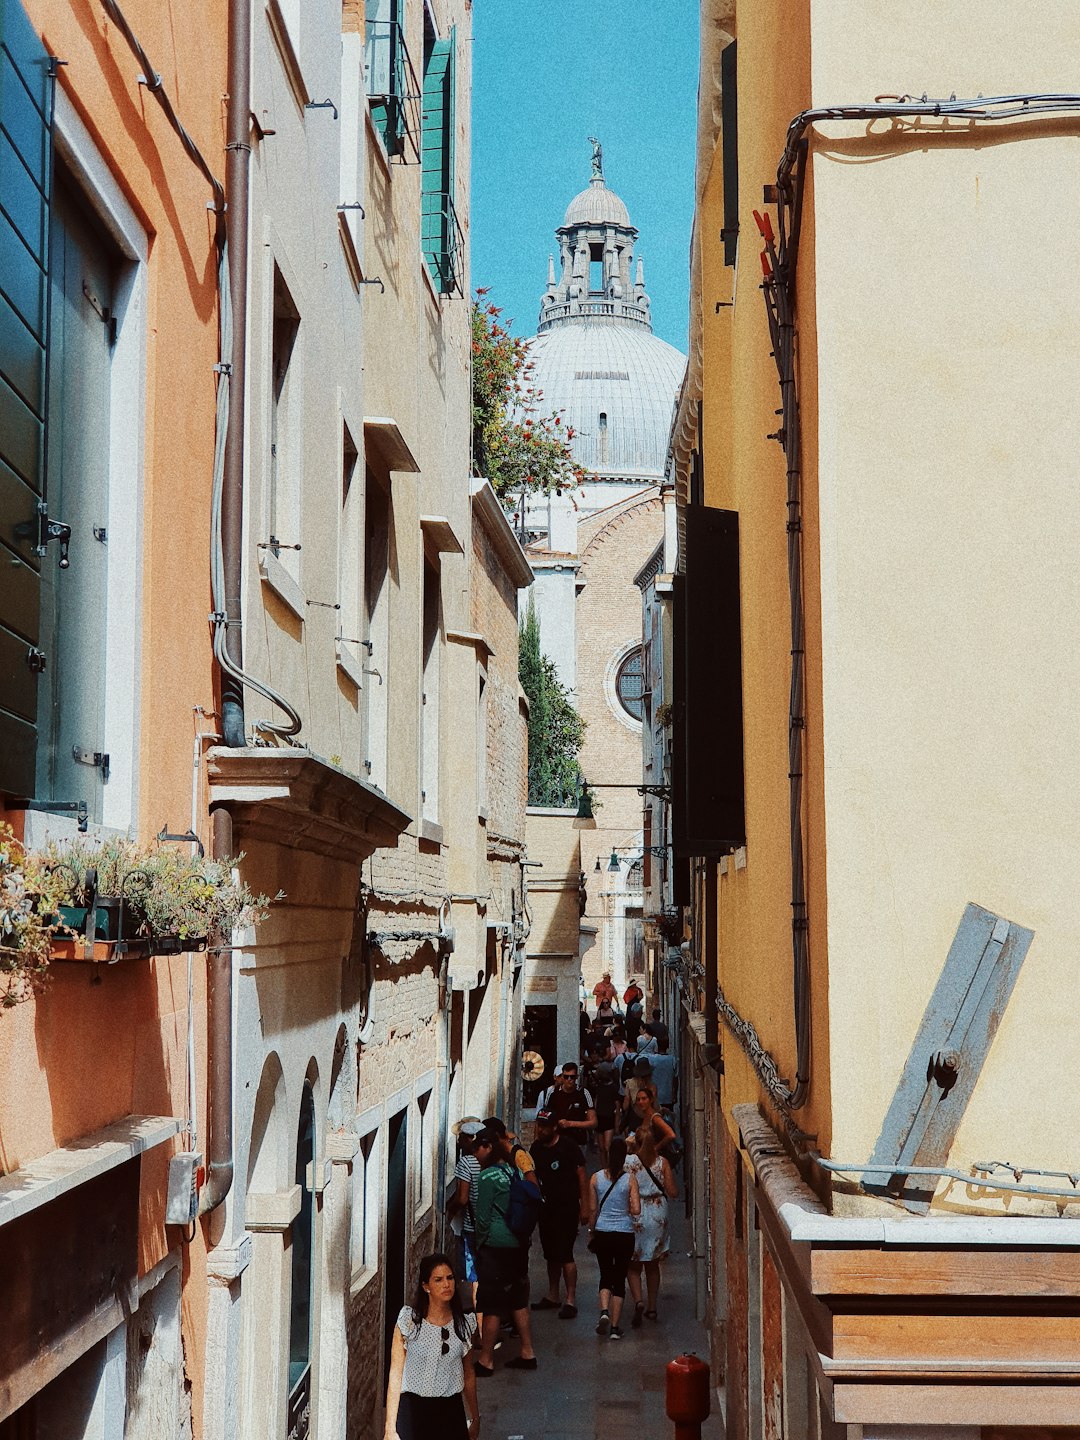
(586, 1387)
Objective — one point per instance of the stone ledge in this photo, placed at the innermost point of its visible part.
(273, 1210)
(61, 1170)
(294, 798)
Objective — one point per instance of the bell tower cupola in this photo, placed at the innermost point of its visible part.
(593, 279)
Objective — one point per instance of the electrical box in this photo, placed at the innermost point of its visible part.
(185, 1178)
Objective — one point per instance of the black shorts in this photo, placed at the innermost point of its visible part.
(420, 1417)
(605, 1120)
(502, 1279)
(558, 1232)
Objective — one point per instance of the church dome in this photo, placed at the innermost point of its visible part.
(616, 385)
(597, 205)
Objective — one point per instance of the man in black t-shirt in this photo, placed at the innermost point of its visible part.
(572, 1108)
(560, 1168)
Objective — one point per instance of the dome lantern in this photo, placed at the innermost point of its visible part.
(596, 251)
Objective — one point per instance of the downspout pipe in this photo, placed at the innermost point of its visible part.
(220, 1160)
(237, 188)
(220, 1037)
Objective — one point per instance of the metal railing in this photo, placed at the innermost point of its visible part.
(393, 90)
(443, 242)
(605, 308)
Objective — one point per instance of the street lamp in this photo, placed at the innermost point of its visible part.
(585, 803)
(615, 864)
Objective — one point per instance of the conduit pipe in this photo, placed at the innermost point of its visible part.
(219, 1176)
(237, 181)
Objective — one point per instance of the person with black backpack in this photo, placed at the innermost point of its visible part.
(503, 1228)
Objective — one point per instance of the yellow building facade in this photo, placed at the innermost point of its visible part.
(875, 358)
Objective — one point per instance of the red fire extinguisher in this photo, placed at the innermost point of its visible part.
(687, 1395)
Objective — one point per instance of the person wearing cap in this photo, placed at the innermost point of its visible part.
(462, 1203)
(560, 1166)
(510, 1151)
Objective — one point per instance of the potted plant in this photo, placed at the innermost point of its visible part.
(26, 931)
(113, 898)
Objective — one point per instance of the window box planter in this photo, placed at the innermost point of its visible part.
(108, 901)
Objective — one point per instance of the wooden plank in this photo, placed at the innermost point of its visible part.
(960, 1022)
(1001, 1339)
(861, 1404)
(1022, 1273)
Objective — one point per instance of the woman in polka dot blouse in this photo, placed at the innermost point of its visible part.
(432, 1380)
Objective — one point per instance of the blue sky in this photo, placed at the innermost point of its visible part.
(549, 73)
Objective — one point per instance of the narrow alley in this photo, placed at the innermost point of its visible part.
(587, 1387)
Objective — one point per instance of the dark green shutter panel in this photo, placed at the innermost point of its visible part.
(437, 163)
(26, 88)
(708, 816)
(729, 139)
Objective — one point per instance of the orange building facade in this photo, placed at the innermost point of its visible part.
(109, 300)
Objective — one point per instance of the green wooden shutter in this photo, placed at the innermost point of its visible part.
(438, 233)
(729, 137)
(26, 90)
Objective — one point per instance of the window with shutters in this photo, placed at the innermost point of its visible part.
(708, 806)
(350, 641)
(729, 141)
(392, 87)
(71, 453)
(378, 546)
(26, 99)
(441, 236)
(286, 460)
(430, 708)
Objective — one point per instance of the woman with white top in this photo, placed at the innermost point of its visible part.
(613, 1203)
(656, 1186)
(431, 1365)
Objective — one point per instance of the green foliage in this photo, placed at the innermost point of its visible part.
(556, 730)
(515, 445)
(172, 891)
(25, 931)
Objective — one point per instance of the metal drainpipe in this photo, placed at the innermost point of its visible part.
(237, 176)
(220, 991)
(220, 1033)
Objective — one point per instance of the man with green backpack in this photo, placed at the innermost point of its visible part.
(506, 1210)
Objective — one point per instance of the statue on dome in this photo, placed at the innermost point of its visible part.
(597, 158)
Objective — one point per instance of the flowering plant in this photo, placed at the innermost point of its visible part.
(517, 446)
(26, 931)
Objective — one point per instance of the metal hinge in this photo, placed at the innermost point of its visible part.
(99, 759)
(52, 530)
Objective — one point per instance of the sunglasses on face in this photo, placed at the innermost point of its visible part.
(445, 1333)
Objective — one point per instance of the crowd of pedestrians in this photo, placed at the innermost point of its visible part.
(621, 1099)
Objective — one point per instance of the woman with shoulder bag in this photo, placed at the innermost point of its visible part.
(614, 1202)
(431, 1366)
(656, 1186)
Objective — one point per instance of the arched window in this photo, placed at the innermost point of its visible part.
(303, 1235)
(630, 685)
(602, 440)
